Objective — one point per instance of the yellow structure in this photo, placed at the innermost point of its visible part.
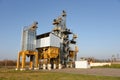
(48, 53)
(73, 55)
(23, 54)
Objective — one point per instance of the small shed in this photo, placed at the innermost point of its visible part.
(82, 64)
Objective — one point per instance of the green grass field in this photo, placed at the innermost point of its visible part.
(10, 74)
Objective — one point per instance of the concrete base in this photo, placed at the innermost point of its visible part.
(59, 66)
(44, 66)
(16, 69)
(30, 68)
(71, 66)
(67, 65)
(36, 68)
(54, 66)
(49, 66)
(22, 69)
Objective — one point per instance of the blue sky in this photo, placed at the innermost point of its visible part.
(97, 23)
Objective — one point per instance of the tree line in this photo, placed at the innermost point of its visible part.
(8, 62)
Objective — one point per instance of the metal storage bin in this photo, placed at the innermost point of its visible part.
(47, 39)
(28, 39)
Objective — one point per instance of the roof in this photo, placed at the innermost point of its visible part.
(43, 35)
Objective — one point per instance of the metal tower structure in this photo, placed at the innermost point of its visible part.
(28, 47)
(67, 53)
(53, 49)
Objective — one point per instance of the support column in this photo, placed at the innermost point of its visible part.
(36, 61)
(54, 64)
(23, 61)
(48, 64)
(18, 62)
(59, 64)
(31, 62)
(44, 65)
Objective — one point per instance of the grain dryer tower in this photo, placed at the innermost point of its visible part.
(28, 47)
(51, 50)
(68, 48)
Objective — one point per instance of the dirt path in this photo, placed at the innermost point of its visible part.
(93, 71)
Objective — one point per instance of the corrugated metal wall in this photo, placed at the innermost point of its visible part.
(29, 40)
(51, 40)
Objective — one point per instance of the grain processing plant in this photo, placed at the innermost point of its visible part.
(50, 50)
